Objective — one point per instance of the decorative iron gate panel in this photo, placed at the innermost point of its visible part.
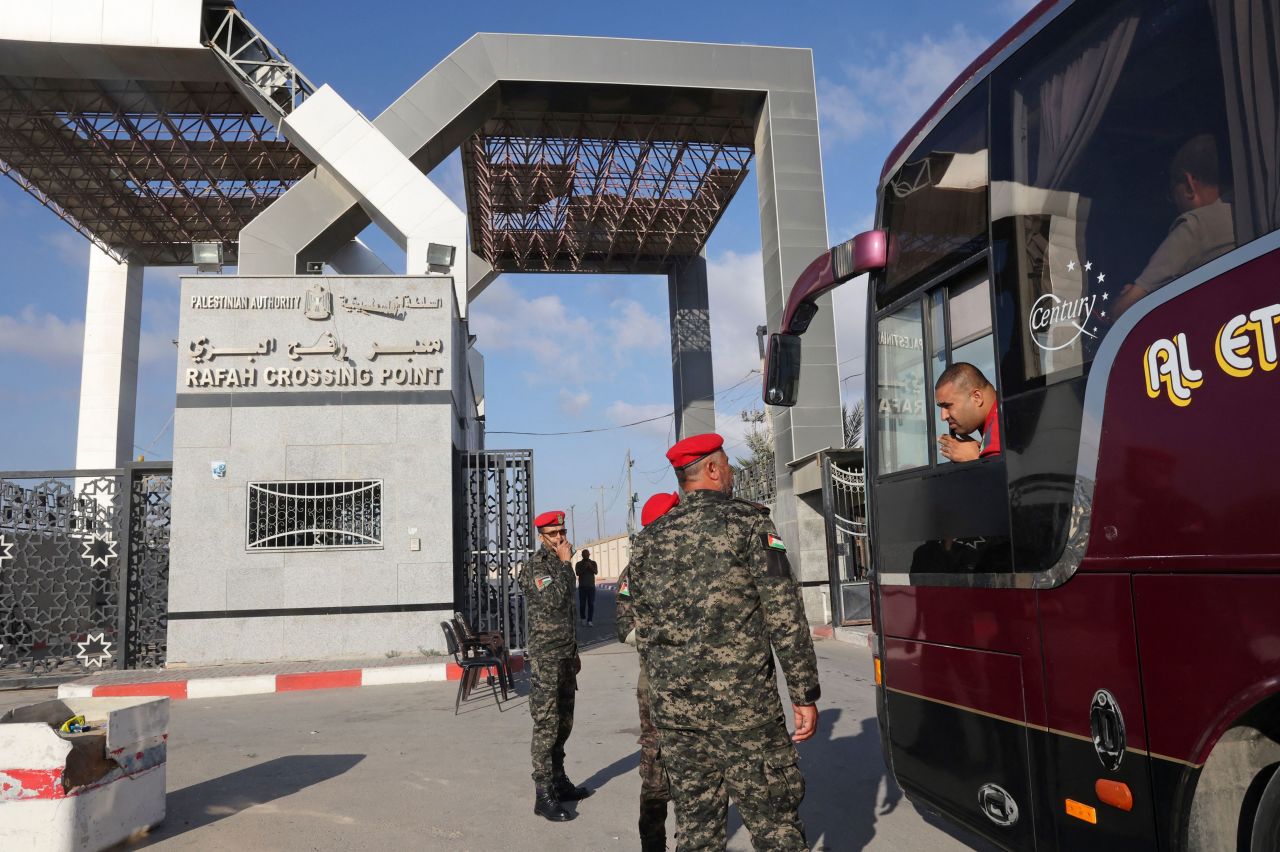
(844, 497)
(70, 542)
(497, 539)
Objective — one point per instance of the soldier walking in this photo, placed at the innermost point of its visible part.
(713, 599)
(654, 789)
(552, 652)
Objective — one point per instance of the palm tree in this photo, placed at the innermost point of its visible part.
(853, 418)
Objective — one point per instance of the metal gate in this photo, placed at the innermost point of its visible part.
(844, 503)
(84, 570)
(497, 539)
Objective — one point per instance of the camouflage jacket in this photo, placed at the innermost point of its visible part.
(549, 594)
(622, 618)
(713, 599)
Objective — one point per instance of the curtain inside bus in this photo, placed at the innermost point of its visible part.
(1248, 33)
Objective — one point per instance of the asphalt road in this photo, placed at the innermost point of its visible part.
(392, 768)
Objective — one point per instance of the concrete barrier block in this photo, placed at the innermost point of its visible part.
(84, 791)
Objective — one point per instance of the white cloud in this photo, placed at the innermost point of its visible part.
(892, 95)
(621, 412)
(842, 111)
(558, 342)
(573, 404)
(41, 336)
(48, 338)
(735, 289)
(71, 247)
(633, 327)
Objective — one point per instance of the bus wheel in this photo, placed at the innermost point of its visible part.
(1266, 821)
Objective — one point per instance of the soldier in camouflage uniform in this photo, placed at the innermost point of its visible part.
(713, 599)
(552, 651)
(654, 790)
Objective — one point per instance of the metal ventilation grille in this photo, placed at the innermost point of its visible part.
(315, 515)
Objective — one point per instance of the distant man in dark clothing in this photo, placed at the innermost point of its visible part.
(587, 571)
(968, 404)
(552, 652)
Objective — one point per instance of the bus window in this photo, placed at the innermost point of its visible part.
(960, 331)
(1123, 157)
(935, 206)
(1112, 171)
(946, 521)
(902, 425)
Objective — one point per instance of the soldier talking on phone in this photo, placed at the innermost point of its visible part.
(552, 652)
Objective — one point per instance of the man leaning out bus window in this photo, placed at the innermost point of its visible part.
(968, 404)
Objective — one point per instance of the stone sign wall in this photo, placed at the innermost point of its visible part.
(315, 433)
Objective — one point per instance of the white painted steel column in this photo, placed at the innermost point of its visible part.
(109, 372)
(400, 199)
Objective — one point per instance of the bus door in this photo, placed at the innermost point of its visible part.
(960, 645)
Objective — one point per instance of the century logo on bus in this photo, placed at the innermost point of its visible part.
(1243, 344)
(1070, 318)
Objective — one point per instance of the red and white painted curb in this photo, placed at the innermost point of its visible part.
(223, 687)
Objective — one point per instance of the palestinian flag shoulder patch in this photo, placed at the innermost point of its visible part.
(624, 588)
(542, 582)
(772, 542)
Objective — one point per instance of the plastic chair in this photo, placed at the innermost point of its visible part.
(472, 664)
(490, 641)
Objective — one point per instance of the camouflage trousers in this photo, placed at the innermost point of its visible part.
(654, 789)
(758, 768)
(551, 697)
(653, 776)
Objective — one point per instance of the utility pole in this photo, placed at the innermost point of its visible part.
(631, 498)
(600, 510)
(573, 536)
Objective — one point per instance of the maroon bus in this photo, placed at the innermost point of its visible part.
(1077, 638)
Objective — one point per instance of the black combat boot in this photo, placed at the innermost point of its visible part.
(547, 805)
(566, 791)
(653, 825)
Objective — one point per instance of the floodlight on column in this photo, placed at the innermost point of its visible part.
(207, 257)
(439, 255)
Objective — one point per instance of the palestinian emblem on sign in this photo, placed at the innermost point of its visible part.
(318, 304)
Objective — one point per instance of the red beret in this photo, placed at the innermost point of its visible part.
(549, 519)
(694, 448)
(657, 506)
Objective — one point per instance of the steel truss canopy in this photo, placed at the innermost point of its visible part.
(604, 178)
(145, 149)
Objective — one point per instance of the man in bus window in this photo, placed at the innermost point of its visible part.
(968, 404)
(1203, 230)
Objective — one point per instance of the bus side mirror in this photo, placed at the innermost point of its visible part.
(782, 370)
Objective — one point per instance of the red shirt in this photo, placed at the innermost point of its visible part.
(991, 433)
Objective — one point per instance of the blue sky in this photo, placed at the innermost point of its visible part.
(562, 352)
